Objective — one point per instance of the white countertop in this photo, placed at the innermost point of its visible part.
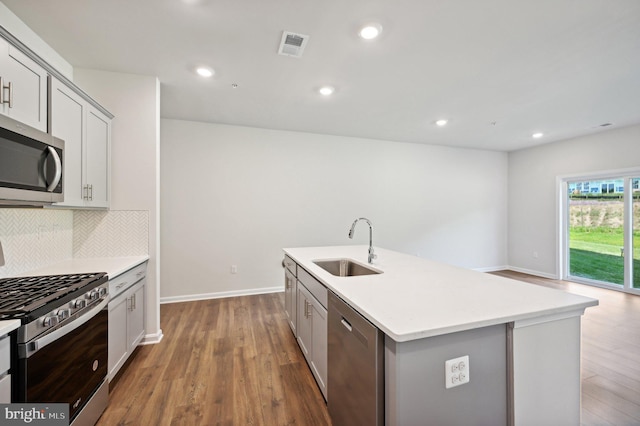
(7, 326)
(415, 298)
(113, 266)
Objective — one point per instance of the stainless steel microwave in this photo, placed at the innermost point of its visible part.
(31, 165)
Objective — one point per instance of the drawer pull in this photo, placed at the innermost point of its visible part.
(119, 286)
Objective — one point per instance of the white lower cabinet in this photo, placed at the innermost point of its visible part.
(5, 389)
(312, 334)
(5, 364)
(126, 316)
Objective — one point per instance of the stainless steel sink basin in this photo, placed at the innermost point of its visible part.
(345, 268)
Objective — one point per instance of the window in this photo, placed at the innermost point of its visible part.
(601, 232)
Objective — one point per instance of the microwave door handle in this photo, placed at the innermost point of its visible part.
(58, 164)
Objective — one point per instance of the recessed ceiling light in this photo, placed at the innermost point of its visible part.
(442, 122)
(537, 135)
(326, 90)
(204, 71)
(370, 31)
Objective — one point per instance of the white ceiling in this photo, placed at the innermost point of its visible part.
(499, 70)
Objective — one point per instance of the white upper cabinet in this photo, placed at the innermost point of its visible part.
(68, 111)
(70, 114)
(24, 87)
(87, 134)
(96, 165)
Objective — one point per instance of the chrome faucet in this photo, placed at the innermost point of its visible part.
(372, 255)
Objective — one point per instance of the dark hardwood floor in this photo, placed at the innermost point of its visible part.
(235, 361)
(227, 361)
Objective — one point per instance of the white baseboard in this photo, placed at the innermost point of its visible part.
(220, 295)
(152, 339)
(532, 272)
(491, 268)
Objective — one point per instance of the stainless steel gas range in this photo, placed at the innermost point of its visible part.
(60, 350)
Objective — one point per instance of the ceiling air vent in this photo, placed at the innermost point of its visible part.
(292, 44)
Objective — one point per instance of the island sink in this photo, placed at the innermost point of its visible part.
(345, 268)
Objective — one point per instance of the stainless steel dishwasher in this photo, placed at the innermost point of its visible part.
(355, 394)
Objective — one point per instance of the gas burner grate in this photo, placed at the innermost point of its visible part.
(23, 295)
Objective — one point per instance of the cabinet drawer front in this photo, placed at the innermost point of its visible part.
(122, 282)
(5, 355)
(314, 286)
(290, 265)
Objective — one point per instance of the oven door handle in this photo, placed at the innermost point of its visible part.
(28, 349)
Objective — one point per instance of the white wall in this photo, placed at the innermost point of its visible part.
(236, 196)
(135, 145)
(533, 209)
(14, 25)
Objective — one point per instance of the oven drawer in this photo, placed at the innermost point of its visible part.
(5, 355)
(122, 282)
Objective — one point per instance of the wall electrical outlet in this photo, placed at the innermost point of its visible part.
(456, 371)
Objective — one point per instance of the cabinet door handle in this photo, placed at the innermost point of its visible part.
(10, 95)
(307, 311)
(91, 192)
(119, 286)
(134, 302)
(85, 192)
(2, 87)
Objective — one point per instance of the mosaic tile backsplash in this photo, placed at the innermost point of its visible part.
(110, 233)
(33, 238)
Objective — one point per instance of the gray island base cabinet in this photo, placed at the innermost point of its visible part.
(290, 293)
(522, 341)
(305, 306)
(415, 379)
(311, 329)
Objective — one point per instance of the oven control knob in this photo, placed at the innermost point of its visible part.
(50, 321)
(63, 314)
(78, 304)
(92, 295)
(102, 291)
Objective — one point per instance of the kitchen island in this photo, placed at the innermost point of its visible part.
(522, 340)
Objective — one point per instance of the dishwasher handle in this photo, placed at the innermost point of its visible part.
(346, 324)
